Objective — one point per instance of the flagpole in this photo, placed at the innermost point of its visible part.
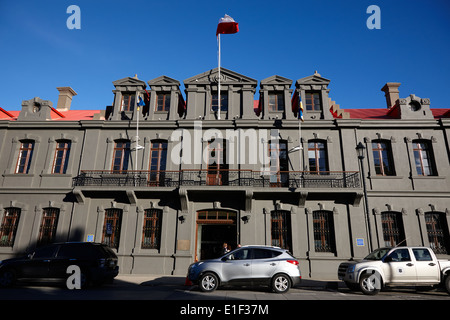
(218, 91)
(137, 135)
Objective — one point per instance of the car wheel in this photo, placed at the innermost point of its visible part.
(7, 278)
(208, 282)
(368, 284)
(281, 283)
(447, 283)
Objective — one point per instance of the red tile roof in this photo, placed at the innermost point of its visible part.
(383, 113)
(365, 114)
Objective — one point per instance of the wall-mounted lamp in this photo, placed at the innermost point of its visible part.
(182, 218)
(246, 218)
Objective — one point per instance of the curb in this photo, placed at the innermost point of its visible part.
(157, 280)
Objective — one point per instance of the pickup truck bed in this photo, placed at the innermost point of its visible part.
(400, 266)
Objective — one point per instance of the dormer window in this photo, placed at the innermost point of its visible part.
(223, 101)
(128, 102)
(313, 101)
(163, 102)
(276, 101)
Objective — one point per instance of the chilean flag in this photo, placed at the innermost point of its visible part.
(227, 25)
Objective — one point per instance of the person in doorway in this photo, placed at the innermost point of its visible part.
(225, 248)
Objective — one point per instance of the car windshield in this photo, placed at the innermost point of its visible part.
(377, 254)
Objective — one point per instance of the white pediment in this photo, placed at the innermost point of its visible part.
(226, 77)
(163, 81)
(128, 81)
(314, 79)
(276, 80)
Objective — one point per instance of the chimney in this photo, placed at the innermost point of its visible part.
(65, 98)
(391, 93)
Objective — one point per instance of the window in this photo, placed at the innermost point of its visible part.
(223, 101)
(243, 254)
(422, 254)
(323, 227)
(216, 217)
(49, 222)
(313, 101)
(276, 101)
(46, 252)
(393, 233)
(281, 229)
(158, 158)
(151, 237)
(8, 227)
(25, 155)
(424, 158)
(61, 159)
(217, 167)
(128, 101)
(163, 102)
(400, 255)
(317, 155)
(279, 175)
(121, 155)
(111, 227)
(382, 157)
(438, 233)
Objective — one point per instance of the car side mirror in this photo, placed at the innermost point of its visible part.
(387, 259)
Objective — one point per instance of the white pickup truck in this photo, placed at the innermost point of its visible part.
(399, 266)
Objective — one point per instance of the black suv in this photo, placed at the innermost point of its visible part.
(97, 263)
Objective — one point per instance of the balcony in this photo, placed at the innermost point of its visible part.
(218, 178)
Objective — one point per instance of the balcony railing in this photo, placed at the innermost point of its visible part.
(243, 178)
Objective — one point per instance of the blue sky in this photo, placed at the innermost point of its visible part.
(177, 39)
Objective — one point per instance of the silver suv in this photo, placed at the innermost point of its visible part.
(248, 265)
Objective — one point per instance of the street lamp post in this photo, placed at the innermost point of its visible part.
(360, 149)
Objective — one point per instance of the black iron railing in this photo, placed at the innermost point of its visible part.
(245, 178)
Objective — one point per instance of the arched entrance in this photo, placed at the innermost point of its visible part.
(214, 227)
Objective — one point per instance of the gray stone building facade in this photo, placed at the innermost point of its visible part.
(168, 182)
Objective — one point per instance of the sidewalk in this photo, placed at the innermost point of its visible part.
(156, 280)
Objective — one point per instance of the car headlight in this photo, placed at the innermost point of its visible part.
(194, 265)
(351, 269)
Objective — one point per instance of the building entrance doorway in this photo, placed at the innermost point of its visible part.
(214, 228)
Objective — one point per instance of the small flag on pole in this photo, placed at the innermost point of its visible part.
(227, 25)
(141, 102)
(300, 109)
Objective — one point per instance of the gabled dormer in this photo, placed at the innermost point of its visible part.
(236, 95)
(275, 98)
(411, 108)
(126, 97)
(408, 108)
(166, 100)
(313, 91)
(35, 109)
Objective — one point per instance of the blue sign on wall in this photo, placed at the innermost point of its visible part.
(360, 242)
